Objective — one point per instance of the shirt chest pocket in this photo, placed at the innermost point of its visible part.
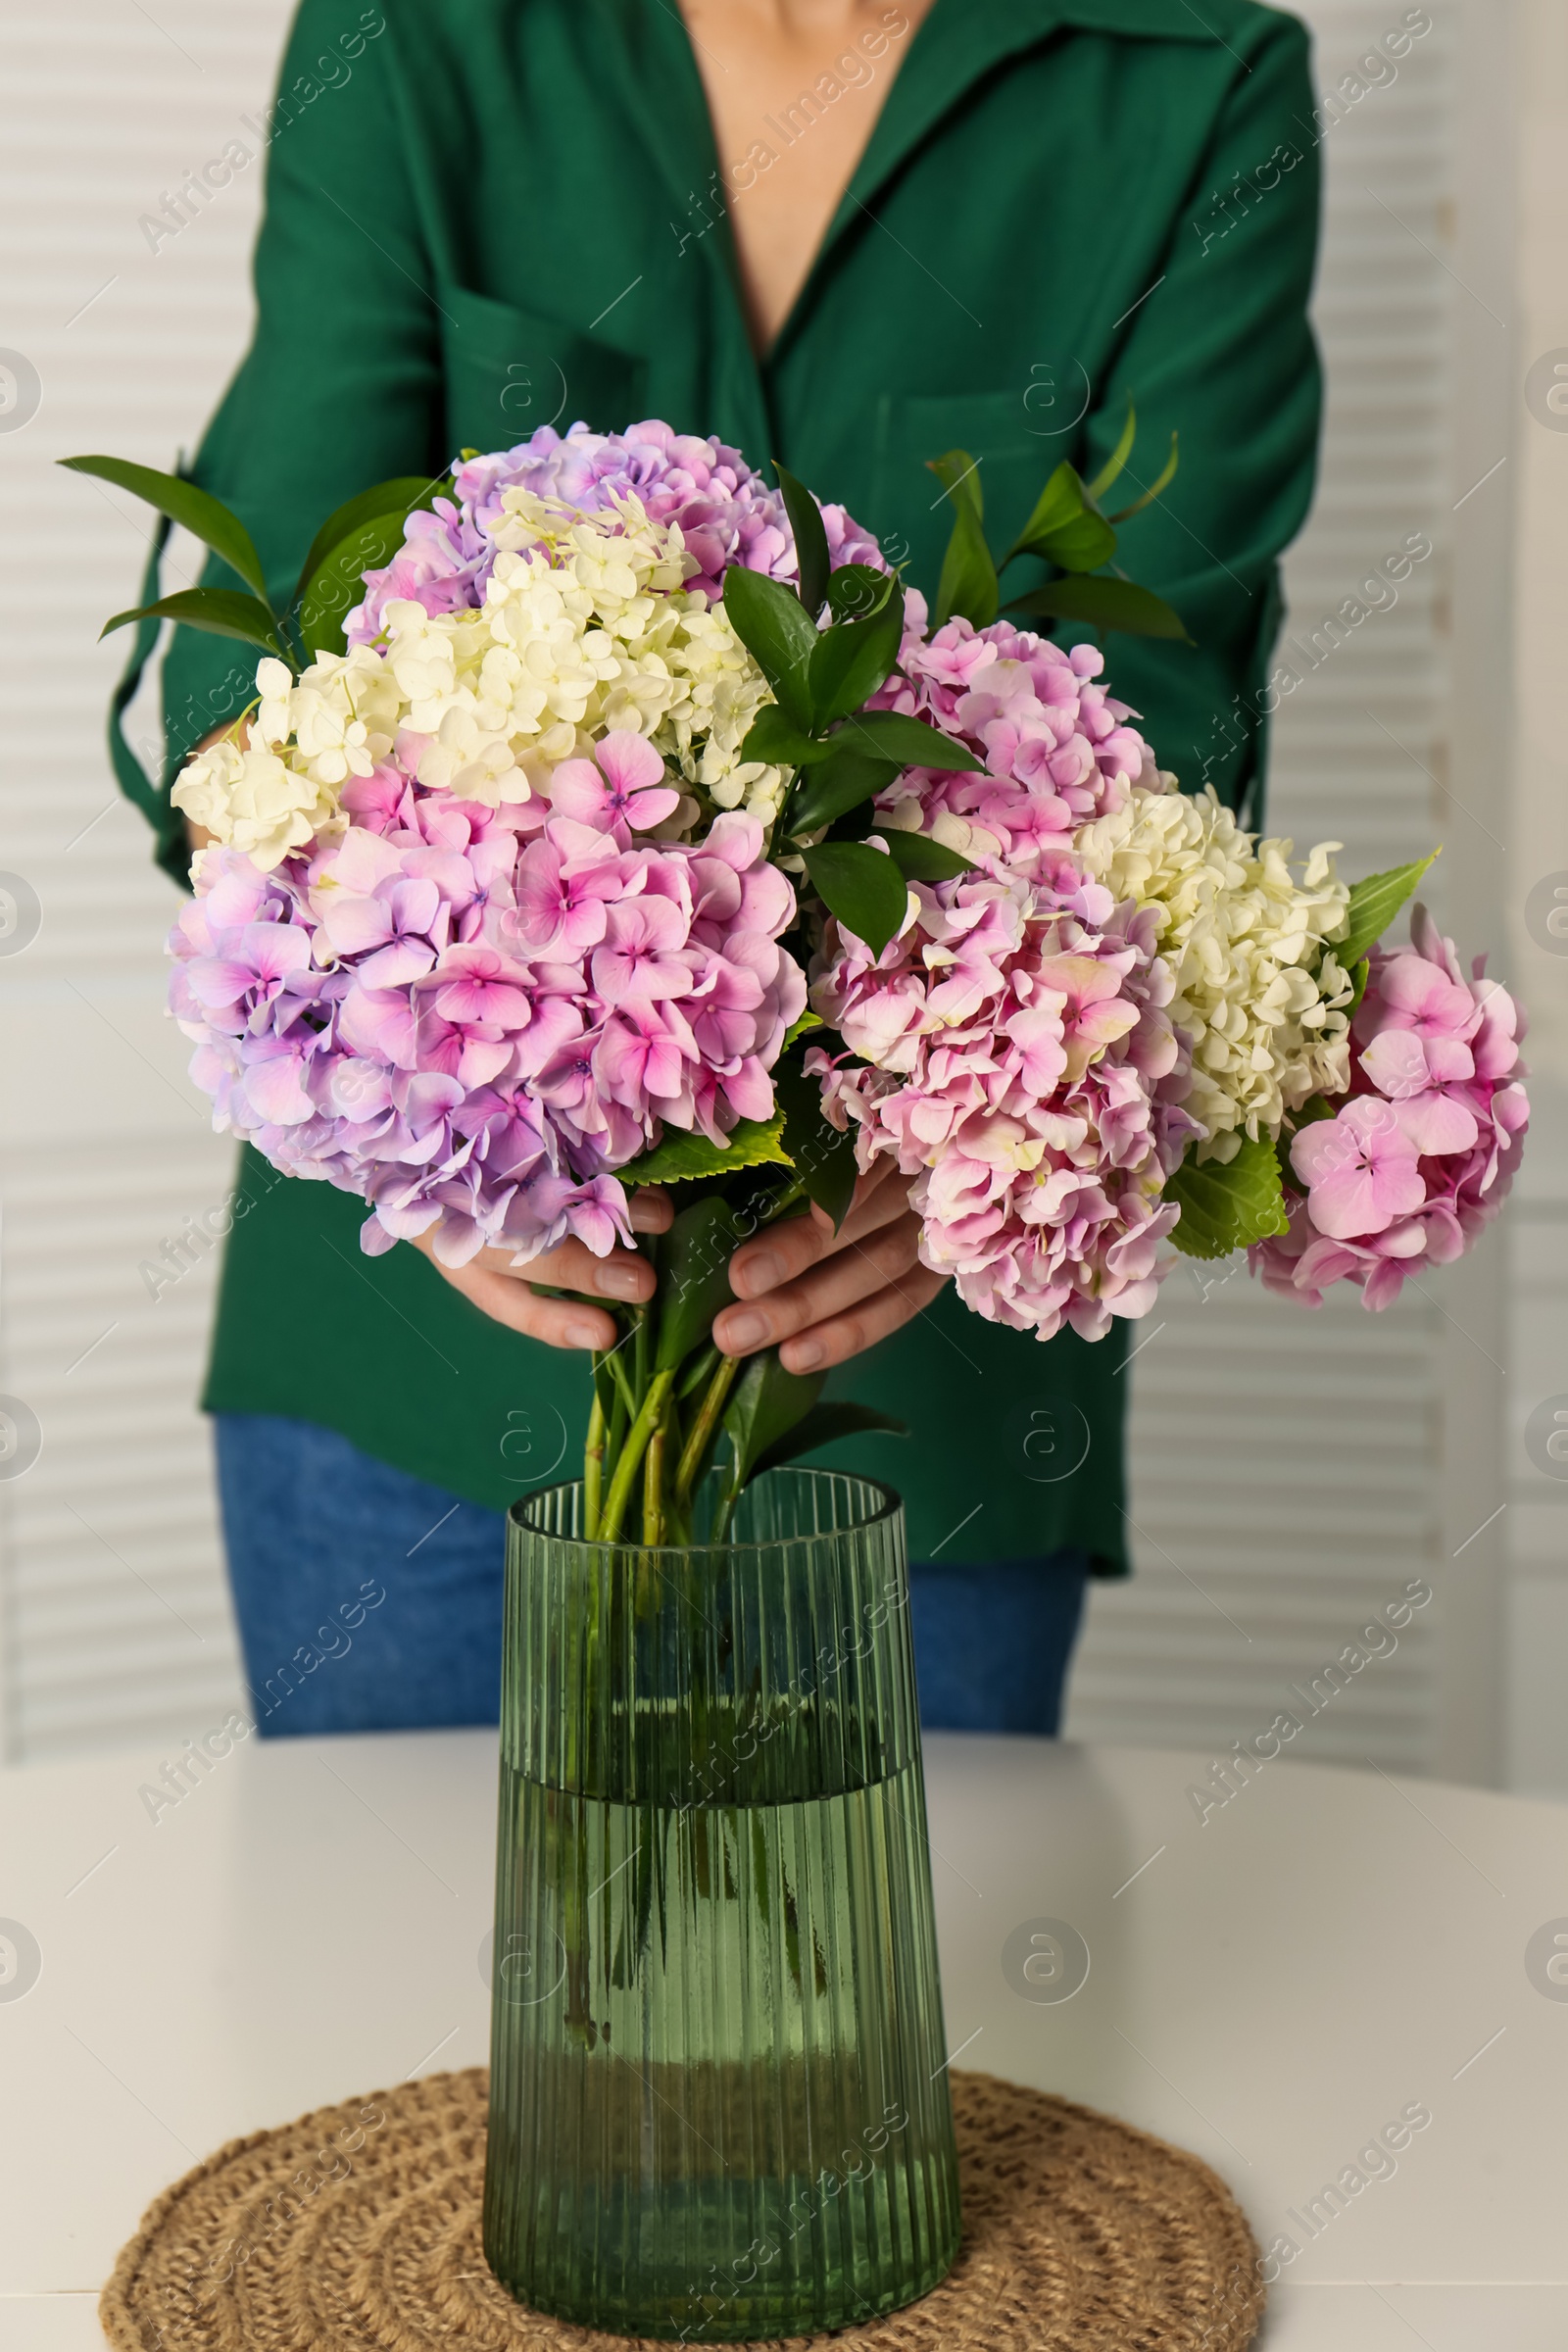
(509, 372)
(1015, 441)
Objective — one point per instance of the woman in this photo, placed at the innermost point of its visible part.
(848, 238)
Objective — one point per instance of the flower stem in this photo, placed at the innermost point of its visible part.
(616, 1364)
(726, 1509)
(649, 1419)
(620, 1421)
(705, 1426)
(593, 1464)
(777, 834)
(654, 1481)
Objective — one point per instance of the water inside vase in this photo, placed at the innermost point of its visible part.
(716, 2061)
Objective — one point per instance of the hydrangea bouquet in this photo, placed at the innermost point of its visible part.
(608, 817)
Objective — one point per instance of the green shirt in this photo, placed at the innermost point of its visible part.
(484, 216)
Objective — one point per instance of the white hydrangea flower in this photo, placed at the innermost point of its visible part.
(1258, 989)
(720, 691)
(586, 627)
(661, 659)
(305, 742)
(253, 801)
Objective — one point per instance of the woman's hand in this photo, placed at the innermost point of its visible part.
(503, 1290)
(827, 1296)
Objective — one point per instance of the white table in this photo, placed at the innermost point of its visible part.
(1269, 1986)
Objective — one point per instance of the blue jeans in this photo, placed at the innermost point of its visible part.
(369, 1600)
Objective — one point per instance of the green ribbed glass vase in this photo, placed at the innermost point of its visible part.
(718, 2104)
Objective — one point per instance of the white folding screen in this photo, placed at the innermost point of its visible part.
(1284, 1463)
(1536, 1356)
(115, 1625)
(1253, 1566)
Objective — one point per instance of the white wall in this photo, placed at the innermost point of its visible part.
(1291, 1470)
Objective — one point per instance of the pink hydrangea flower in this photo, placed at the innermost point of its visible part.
(1017, 1059)
(1421, 1157)
(1361, 1169)
(621, 790)
(1019, 1064)
(1058, 749)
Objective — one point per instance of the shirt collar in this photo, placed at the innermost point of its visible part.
(956, 46)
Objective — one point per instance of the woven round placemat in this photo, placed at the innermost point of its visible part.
(357, 2230)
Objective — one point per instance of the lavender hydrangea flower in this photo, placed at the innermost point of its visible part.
(727, 514)
(473, 1027)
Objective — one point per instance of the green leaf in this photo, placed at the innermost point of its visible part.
(1154, 490)
(1064, 528)
(1059, 505)
(921, 859)
(968, 582)
(810, 540)
(824, 1423)
(1374, 904)
(1083, 546)
(895, 735)
(196, 511)
(960, 477)
(220, 611)
(1226, 1206)
(679, 1156)
(337, 584)
(863, 887)
(807, 1021)
(1106, 605)
(822, 1155)
(777, 740)
(698, 1373)
(773, 624)
(403, 495)
(855, 589)
(1360, 974)
(1117, 458)
(693, 1277)
(851, 659)
(766, 1402)
(841, 782)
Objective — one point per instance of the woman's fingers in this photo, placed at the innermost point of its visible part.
(881, 1269)
(818, 1296)
(821, 1297)
(843, 1336)
(652, 1210)
(786, 1250)
(625, 1275)
(507, 1294)
(558, 1322)
(850, 1274)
